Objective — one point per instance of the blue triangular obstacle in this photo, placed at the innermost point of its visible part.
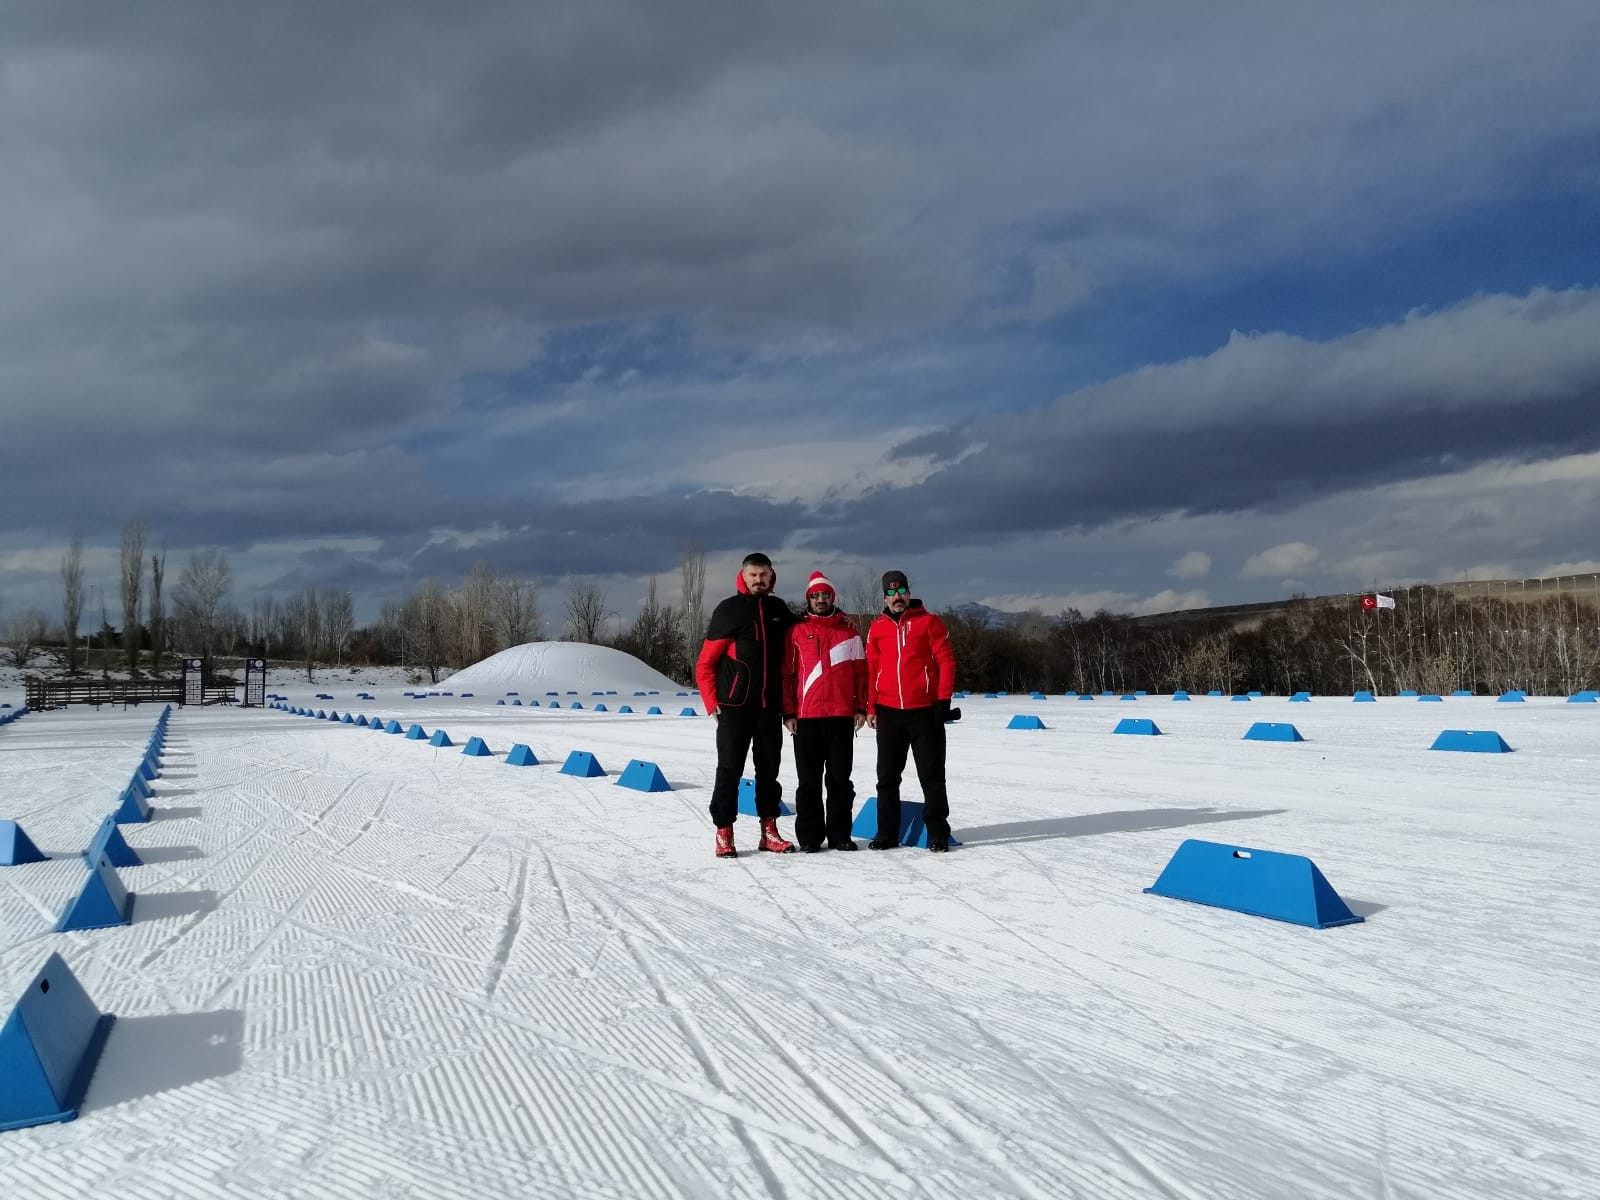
(1364, 697)
(1036, 696)
(625, 709)
(582, 764)
(1245, 699)
(1300, 698)
(1262, 883)
(913, 828)
(1512, 698)
(393, 726)
(1429, 697)
(416, 734)
(513, 693)
(440, 738)
(1137, 725)
(333, 714)
(555, 704)
(1129, 696)
(688, 712)
(362, 721)
(16, 847)
(501, 703)
(132, 810)
(49, 1047)
(577, 704)
(1180, 694)
(347, 719)
(475, 748)
(653, 711)
(1025, 721)
(1582, 698)
(747, 800)
(521, 756)
(109, 844)
(1408, 694)
(1460, 694)
(1475, 741)
(321, 716)
(101, 903)
(600, 708)
(1272, 731)
(1214, 692)
(1086, 696)
(643, 777)
(147, 769)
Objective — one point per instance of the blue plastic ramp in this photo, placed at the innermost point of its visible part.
(49, 1047)
(1262, 883)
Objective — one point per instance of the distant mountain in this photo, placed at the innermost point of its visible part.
(990, 618)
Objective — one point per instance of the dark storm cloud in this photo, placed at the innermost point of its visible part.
(632, 536)
(1266, 422)
(253, 251)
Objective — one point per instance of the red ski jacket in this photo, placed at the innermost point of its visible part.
(825, 669)
(909, 661)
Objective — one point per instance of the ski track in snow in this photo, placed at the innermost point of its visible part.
(362, 966)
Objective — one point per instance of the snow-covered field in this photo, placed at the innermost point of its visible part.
(360, 966)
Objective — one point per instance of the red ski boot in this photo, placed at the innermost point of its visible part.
(771, 839)
(725, 842)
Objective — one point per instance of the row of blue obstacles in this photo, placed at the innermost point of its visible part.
(13, 714)
(52, 1041)
(1479, 741)
(1515, 696)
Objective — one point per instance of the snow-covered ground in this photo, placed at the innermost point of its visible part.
(360, 966)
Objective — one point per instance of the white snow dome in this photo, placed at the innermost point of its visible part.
(538, 667)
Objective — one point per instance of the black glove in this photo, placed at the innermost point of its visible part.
(948, 714)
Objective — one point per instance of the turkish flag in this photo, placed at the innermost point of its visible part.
(1369, 602)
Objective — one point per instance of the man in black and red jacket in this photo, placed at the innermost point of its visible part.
(911, 675)
(740, 675)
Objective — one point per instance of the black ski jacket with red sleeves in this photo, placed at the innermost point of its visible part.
(741, 663)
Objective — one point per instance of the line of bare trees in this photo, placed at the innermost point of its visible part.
(1438, 641)
(198, 622)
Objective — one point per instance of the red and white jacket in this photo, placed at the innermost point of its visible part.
(909, 661)
(824, 669)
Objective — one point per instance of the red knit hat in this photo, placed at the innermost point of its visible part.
(818, 583)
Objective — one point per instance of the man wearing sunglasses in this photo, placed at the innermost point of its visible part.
(911, 675)
(824, 703)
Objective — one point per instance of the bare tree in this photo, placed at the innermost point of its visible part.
(23, 634)
(516, 610)
(158, 615)
(202, 588)
(474, 610)
(428, 617)
(310, 630)
(72, 598)
(865, 598)
(586, 612)
(338, 620)
(693, 578)
(132, 589)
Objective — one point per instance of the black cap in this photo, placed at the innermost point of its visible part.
(894, 579)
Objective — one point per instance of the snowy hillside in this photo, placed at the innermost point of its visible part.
(563, 666)
(362, 966)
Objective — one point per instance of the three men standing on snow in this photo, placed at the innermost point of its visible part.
(759, 663)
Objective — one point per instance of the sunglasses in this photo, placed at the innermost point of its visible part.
(897, 591)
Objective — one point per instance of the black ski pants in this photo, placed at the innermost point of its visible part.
(920, 731)
(824, 750)
(759, 735)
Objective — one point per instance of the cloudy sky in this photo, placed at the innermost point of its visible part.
(1143, 305)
